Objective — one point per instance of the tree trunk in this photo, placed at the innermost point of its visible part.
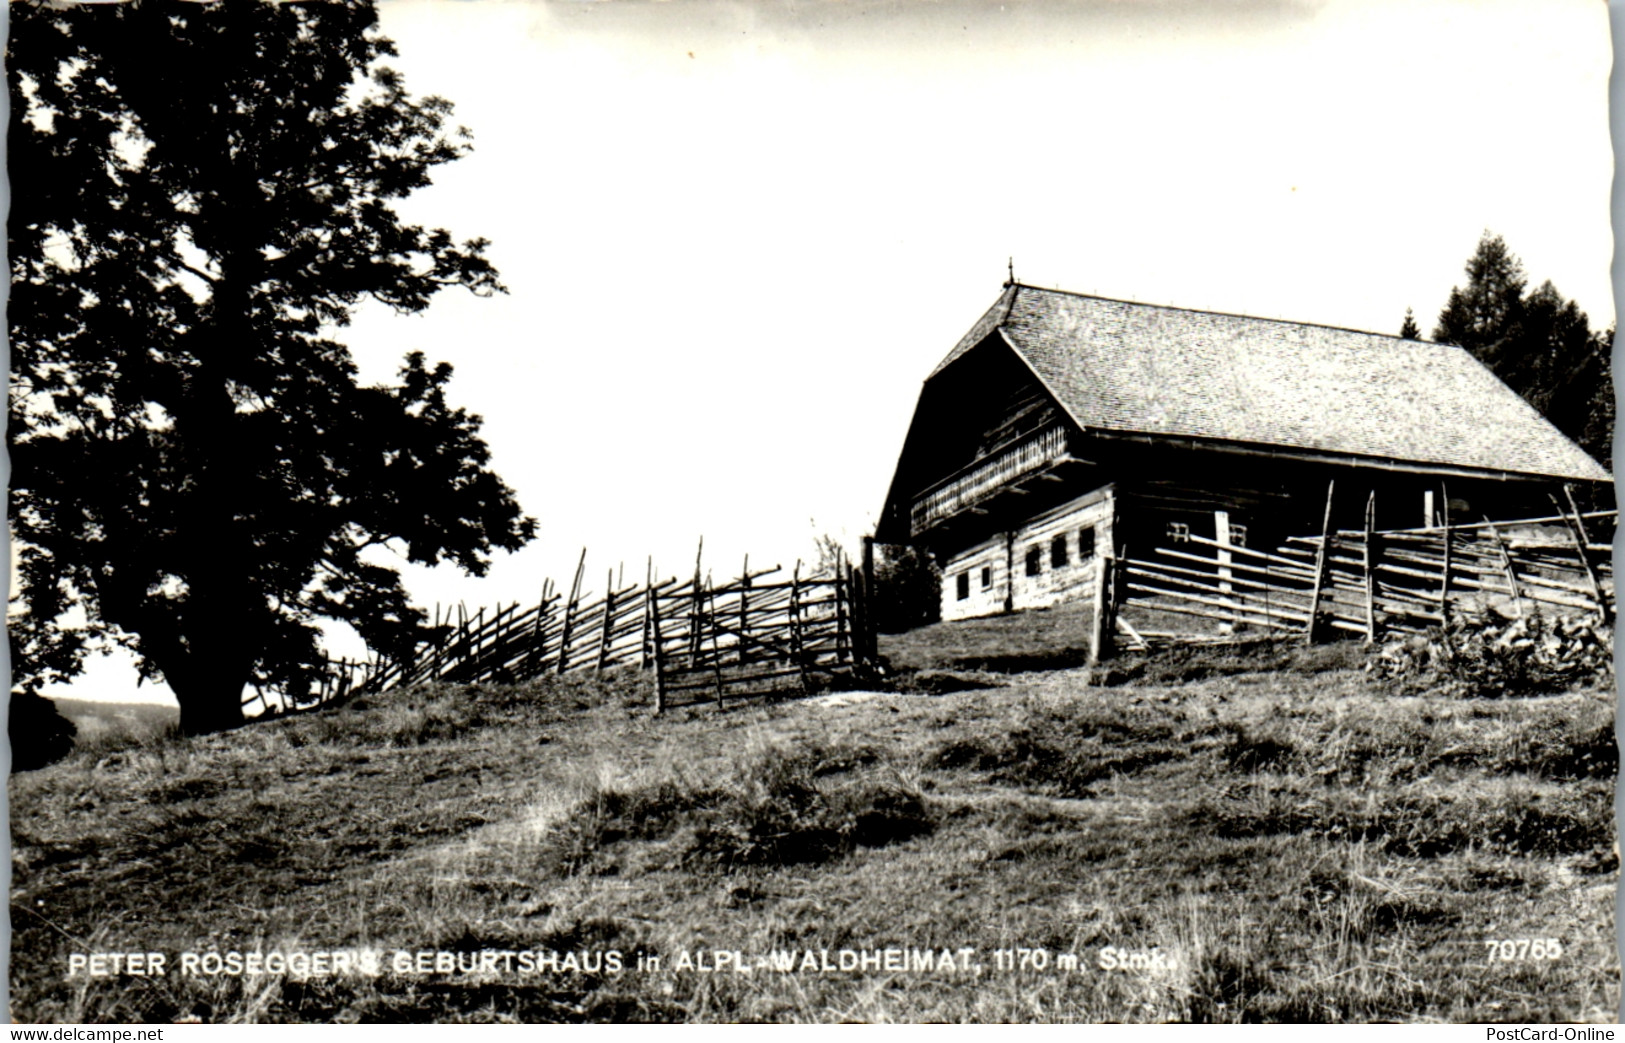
(209, 674)
(208, 707)
(206, 664)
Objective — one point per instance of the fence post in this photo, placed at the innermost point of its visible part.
(434, 649)
(1577, 529)
(1506, 566)
(694, 609)
(659, 663)
(648, 593)
(842, 592)
(744, 611)
(491, 652)
(871, 633)
(716, 651)
(535, 655)
(1100, 625)
(458, 652)
(1009, 572)
(1370, 557)
(494, 651)
(1323, 560)
(795, 626)
(480, 641)
(1221, 553)
(564, 634)
(569, 614)
(1444, 587)
(860, 607)
(609, 619)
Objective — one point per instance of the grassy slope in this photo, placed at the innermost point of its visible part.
(1300, 844)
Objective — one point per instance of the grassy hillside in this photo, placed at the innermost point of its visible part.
(1213, 835)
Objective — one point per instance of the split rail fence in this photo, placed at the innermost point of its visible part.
(702, 641)
(1370, 582)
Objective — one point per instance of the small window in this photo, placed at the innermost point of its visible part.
(1057, 552)
(1238, 535)
(1035, 561)
(987, 577)
(963, 586)
(1179, 532)
(1086, 543)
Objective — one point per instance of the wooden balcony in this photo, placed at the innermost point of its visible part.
(970, 489)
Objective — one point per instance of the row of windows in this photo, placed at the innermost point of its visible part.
(1059, 553)
(1059, 557)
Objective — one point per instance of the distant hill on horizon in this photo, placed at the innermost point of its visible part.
(97, 719)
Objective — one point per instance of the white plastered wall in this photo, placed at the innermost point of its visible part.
(1052, 584)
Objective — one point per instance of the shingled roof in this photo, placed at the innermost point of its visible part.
(1123, 367)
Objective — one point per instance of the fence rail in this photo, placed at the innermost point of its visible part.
(1369, 582)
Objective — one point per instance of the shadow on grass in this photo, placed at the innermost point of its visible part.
(1063, 753)
(779, 807)
(1514, 820)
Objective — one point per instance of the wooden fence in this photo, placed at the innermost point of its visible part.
(1370, 582)
(750, 636)
(745, 636)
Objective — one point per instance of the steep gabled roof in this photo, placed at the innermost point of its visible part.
(1116, 366)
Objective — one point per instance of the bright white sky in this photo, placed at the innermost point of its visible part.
(738, 235)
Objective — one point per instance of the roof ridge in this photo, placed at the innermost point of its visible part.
(1221, 314)
(1014, 289)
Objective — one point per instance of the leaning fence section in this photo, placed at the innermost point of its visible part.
(1369, 582)
(758, 633)
(755, 634)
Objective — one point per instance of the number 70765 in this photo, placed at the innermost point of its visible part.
(1517, 950)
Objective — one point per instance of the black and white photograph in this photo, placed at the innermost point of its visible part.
(811, 511)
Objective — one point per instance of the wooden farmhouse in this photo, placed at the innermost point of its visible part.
(1063, 427)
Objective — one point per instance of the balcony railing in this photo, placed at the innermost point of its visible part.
(985, 477)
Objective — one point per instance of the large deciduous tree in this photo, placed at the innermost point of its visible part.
(1539, 343)
(201, 194)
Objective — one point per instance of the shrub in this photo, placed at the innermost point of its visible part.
(908, 590)
(1482, 655)
(40, 735)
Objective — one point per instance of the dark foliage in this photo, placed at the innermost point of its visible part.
(1540, 344)
(201, 195)
(908, 588)
(39, 734)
